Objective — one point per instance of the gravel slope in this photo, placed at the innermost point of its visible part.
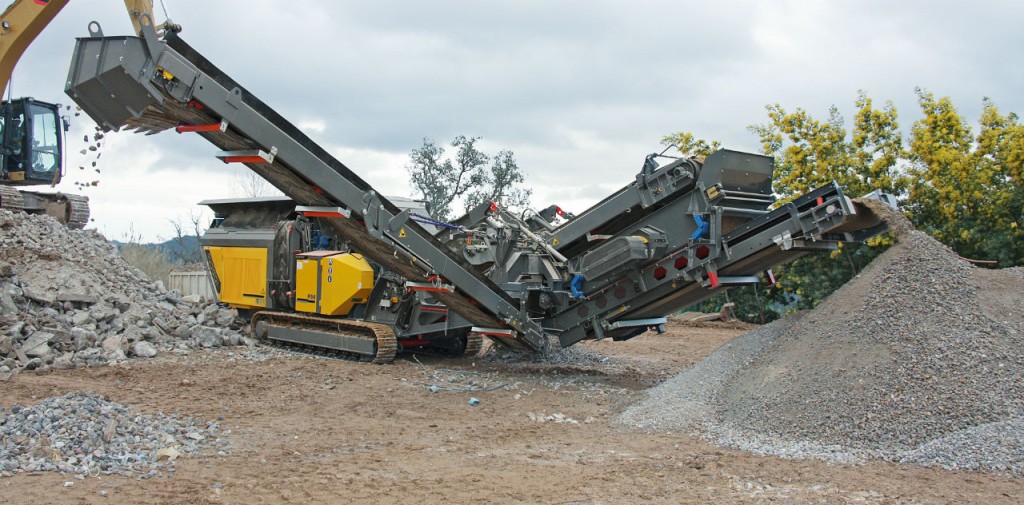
(915, 360)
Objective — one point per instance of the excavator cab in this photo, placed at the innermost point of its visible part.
(31, 142)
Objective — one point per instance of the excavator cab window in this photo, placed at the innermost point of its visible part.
(31, 134)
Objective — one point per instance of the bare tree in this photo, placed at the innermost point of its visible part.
(185, 248)
(247, 183)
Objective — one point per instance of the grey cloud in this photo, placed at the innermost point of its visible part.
(538, 76)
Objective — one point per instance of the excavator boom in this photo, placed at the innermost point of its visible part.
(20, 24)
(32, 150)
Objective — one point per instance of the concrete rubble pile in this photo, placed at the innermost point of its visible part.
(919, 359)
(88, 435)
(68, 299)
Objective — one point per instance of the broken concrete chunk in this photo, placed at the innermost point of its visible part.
(81, 317)
(38, 344)
(182, 331)
(144, 349)
(113, 342)
(160, 323)
(192, 298)
(206, 336)
(102, 313)
(83, 338)
(76, 296)
(64, 361)
(225, 317)
(39, 295)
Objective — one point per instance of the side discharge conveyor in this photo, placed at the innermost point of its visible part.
(681, 231)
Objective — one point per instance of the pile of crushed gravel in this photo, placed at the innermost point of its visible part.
(68, 299)
(87, 435)
(554, 355)
(919, 359)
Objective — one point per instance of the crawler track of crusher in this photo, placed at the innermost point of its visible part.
(356, 340)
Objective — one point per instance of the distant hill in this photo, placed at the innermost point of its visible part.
(185, 250)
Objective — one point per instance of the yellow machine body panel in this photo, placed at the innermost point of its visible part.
(331, 283)
(241, 274)
(307, 283)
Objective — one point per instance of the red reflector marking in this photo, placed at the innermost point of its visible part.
(681, 262)
(713, 277)
(821, 200)
(414, 343)
(186, 128)
(492, 208)
(703, 252)
(244, 159)
(660, 273)
(322, 214)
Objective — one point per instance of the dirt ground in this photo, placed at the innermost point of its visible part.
(314, 430)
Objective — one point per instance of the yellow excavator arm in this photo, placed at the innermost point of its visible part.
(31, 133)
(23, 20)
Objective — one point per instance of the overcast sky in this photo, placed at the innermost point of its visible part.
(580, 91)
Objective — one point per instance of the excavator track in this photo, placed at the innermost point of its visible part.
(72, 210)
(310, 332)
(77, 211)
(11, 199)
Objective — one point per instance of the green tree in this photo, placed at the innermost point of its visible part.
(810, 153)
(441, 181)
(689, 145)
(967, 190)
(502, 184)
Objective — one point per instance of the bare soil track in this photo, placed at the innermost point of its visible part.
(312, 430)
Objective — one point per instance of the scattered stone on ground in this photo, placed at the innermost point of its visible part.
(915, 360)
(87, 435)
(68, 299)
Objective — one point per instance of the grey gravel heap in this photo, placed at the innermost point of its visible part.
(553, 355)
(908, 362)
(68, 299)
(87, 435)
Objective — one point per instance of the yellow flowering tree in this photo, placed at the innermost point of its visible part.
(965, 190)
